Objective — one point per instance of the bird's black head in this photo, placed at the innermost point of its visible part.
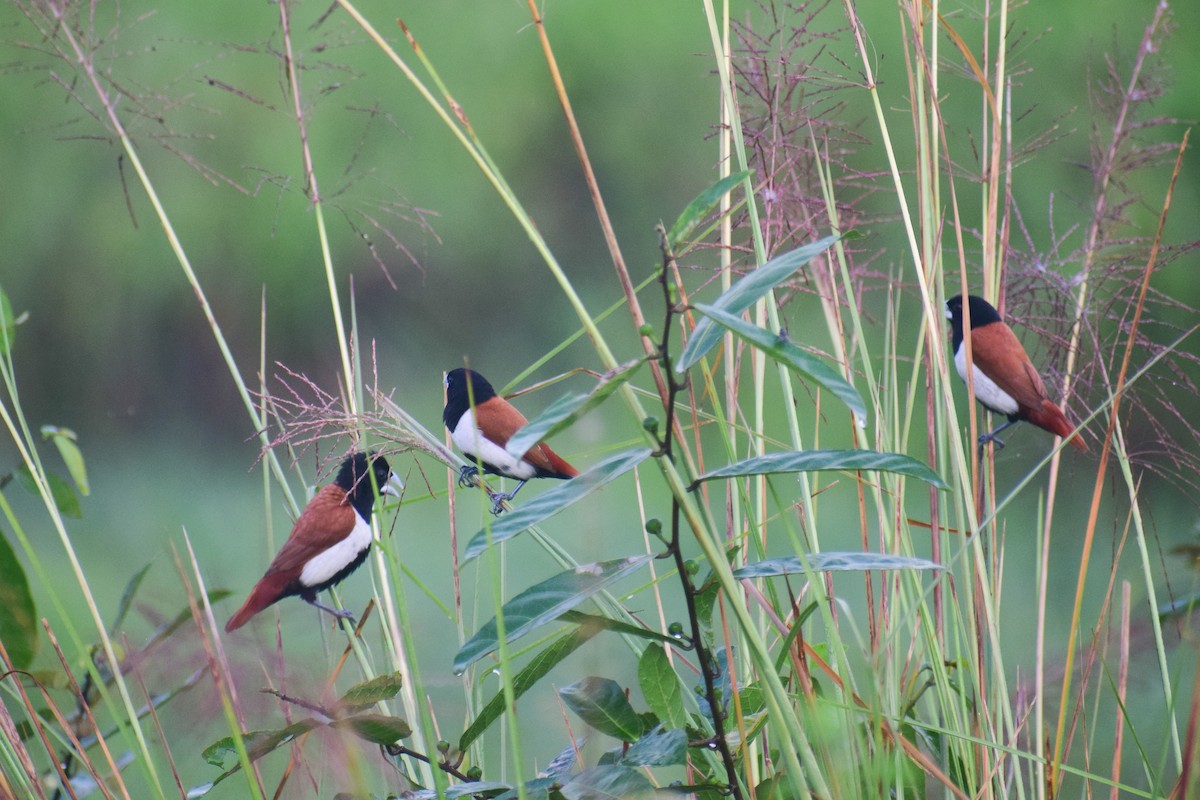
(459, 397)
(982, 313)
(353, 478)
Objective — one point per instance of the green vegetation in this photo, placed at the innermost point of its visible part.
(785, 569)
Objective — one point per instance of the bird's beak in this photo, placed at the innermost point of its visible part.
(394, 486)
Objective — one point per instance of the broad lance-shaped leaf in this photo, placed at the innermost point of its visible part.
(782, 350)
(554, 500)
(18, 621)
(703, 203)
(661, 687)
(563, 412)
(745, 293)
(823, 460)
(468, 789)
(607, 783)
(659, 747)
(530, 674)
(833, 562)
(601, 703)
(369, 692)
(64, 439)
(539, 604)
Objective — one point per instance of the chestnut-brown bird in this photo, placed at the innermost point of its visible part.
(330, 540)
(481, 423)
(1006, 381)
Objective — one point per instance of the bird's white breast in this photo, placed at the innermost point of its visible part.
(986, 390)
(333, 560)
(471, 441)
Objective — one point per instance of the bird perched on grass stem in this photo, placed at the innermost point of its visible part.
(328, 542)
(1006, 381)
(481, 423)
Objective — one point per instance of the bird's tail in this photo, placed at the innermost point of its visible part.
(265, 593)
(1050, 417)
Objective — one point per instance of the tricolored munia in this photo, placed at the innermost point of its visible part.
(328, 542)
(1006, 381)
(481, 423)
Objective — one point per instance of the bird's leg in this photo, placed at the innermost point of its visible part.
(313, 601)
(991, 436)
(500, 497)
(466, 476)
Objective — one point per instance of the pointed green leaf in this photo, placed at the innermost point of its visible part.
(832, 562)
(375, 690)
(554, 500)
(18, 621)
(608, 783)
(536, 789)
(65, 499)
(745, 293)
(8, 325)
(537, 668)
(822, 460)
(547, 600)
(65, 440)
(128, 594)
(661, 687)
(258, 743)
(616, 626)
(379, 729)
(782, 350)
(563, 412)
(659, 747)
(601, 703)
(703, 203)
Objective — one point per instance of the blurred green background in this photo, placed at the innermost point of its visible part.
(116, 347)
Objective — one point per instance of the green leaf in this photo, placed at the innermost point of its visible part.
(659, 747)
(375, 690)
(18, 622)
(823, 460)
(616, 626)
(127, 596)
(566, 410)
(832, 562)
(65, 499)
(547, 600)
(607, 783)
(661, 687)
(8, 325)
(258, 743)
(745, 293)
(65, 440)
(469, 788)
(782, 350)
(379, 729)
(700, 207)
(537, 668)
(601, 703)
(549, 503)
(536, 789)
